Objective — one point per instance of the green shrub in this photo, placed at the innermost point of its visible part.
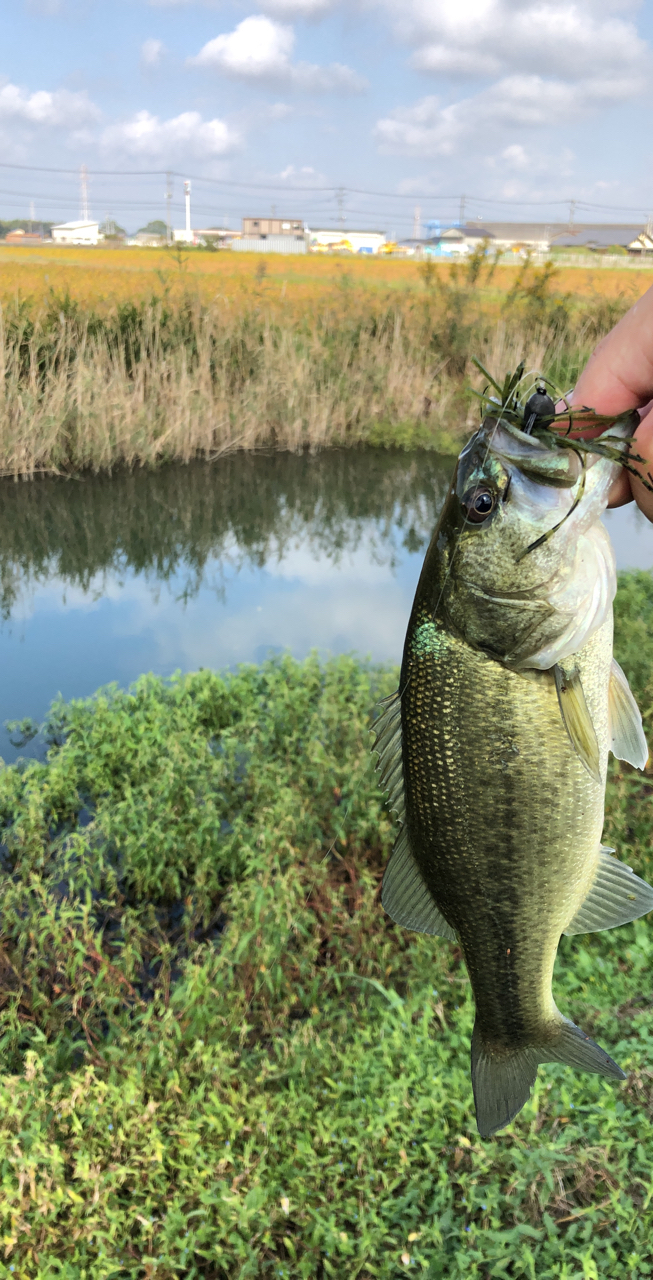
(222, 1059)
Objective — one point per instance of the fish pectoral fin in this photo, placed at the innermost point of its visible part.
(502, 1083)
(616, 897)
(407, 898)
(628, 741)
(577, 719)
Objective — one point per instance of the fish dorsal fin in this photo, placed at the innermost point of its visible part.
(617, 896)
(577, 719)
(406, 897)
(628, 741)
(387, 744)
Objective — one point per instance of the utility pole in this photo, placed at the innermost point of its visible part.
(461, 221)
(340, 197)
(168, 199)
(572, 210)
(83, 191)
(417, 223)
(189, 234)
(31, 215)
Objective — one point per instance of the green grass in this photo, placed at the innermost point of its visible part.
(220, 1058)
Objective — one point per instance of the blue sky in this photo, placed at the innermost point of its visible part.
(528, 102)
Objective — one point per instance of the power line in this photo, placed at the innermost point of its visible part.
(334, 187)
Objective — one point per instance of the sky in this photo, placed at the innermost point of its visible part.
(365, 113)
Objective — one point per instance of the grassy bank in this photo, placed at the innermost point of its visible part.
(241, 355)
(220, 1058)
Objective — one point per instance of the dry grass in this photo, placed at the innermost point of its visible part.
(127, 357)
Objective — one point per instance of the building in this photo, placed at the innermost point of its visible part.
(268, 244)
(259, 227)
(641, 244)
(23, 237)
(456, 242)
(219, 236)
(598, 237)
(87, 233)
(146, 240)
(351, 241)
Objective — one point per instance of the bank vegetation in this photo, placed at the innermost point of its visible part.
(220, 1058)
(176, 376)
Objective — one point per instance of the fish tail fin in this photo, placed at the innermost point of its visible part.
(576, 1049)
(502, 1083)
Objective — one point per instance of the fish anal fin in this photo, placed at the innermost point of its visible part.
(577, 719)
(406, 897)
(628, 741)
(616, 897)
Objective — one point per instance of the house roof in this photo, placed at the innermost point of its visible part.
(75, 226)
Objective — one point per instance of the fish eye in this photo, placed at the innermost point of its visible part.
(478, 504)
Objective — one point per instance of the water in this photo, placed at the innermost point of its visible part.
(210, 565)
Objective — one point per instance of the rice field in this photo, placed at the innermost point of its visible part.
(103, 278)
(130, 356)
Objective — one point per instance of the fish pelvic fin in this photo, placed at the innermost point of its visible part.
(502, 1083)
(502, 1080)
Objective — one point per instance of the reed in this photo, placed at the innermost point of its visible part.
(175, 376)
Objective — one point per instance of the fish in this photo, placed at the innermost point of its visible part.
(494, 749)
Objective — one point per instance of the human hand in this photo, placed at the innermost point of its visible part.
(619, 376)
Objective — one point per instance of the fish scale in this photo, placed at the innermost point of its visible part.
(494, 750)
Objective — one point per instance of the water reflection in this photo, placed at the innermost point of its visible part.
(104, 578)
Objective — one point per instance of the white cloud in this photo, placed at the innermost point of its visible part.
(61, 109)
(152, 52)
(184, 135)
(519, 101)
(570, 39)
(298, 8)
(259, 49)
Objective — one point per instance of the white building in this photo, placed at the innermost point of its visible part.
(357, 241)
(76, 233)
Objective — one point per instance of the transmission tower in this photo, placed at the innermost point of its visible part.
(189, 234)
(340, 197)
(168, 199)
(83, 192)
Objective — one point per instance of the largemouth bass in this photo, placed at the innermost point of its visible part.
(494, 749)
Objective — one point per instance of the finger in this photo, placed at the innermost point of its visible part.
(622, 491)
(619, 373)
(643, 446)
